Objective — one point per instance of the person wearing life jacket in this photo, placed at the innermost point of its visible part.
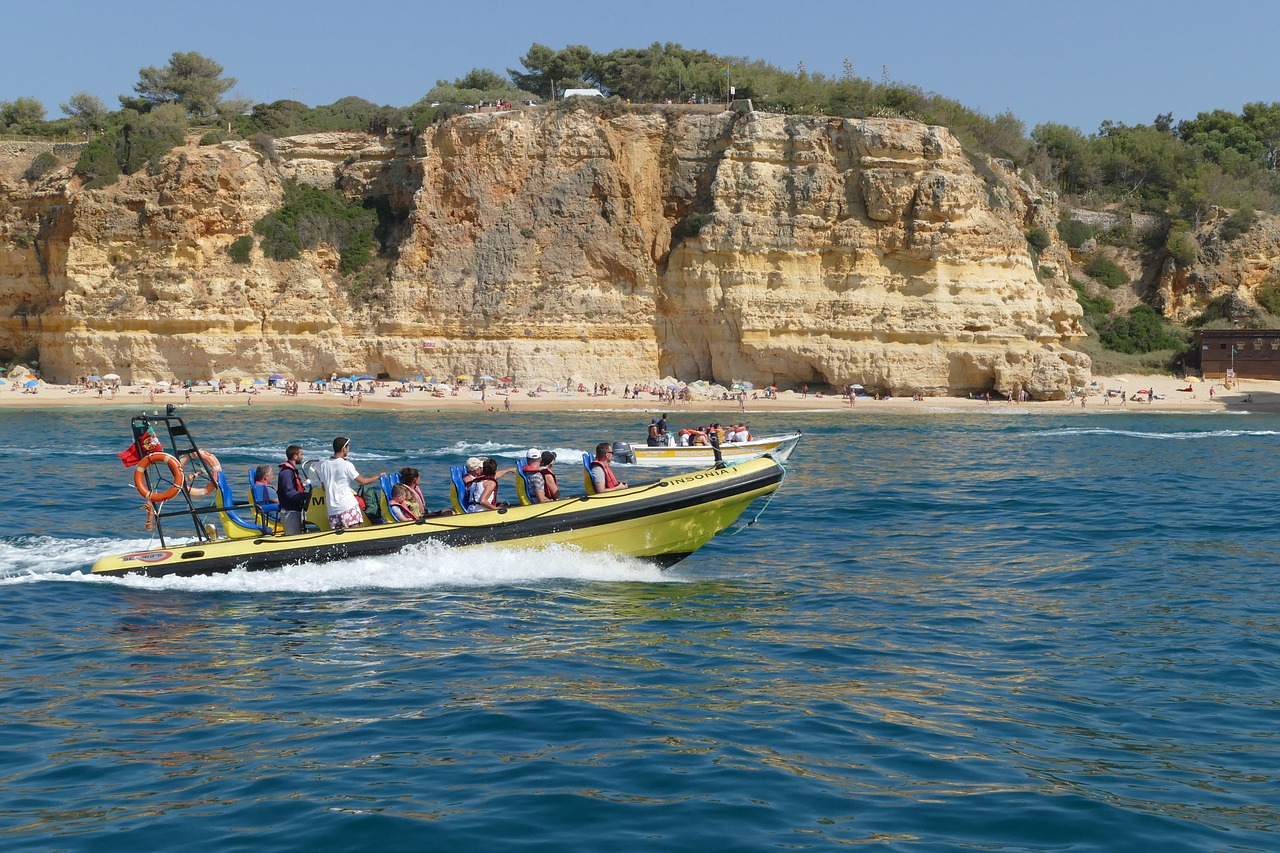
(652, 439)
(602, 476)
(409, 478)
(482, 491)
(402, 505)
(293, 491)
(532, 471)
(550, 485)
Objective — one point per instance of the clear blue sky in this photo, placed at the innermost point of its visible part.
(1076, 62)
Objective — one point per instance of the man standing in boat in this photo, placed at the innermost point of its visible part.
(337, 475)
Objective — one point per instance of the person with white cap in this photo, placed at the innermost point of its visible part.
(482, 485)
(532, 471)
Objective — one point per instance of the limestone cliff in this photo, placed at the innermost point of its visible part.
(547, 244)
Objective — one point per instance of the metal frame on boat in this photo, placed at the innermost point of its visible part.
(662, 521)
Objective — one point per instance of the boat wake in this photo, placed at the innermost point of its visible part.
(429, 566)
(1161, 436)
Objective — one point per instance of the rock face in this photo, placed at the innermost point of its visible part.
(1232, 272)
(559, 243)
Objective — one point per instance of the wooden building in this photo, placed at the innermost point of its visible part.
(1251, 353)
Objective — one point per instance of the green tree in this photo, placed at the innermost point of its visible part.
(1142, 330)
(21, 115)
(482, 78)
(87, 112)
(549, 72)
(192, 80)
(309, 217)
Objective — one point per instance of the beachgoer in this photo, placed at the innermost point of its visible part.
(602, 476)
(532, 471)
(337, 475)
(294, 494)
(551, 486)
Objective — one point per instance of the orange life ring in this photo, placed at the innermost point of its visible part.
(214, 466)
(140, 477)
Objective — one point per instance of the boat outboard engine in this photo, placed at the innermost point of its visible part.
(623, 454)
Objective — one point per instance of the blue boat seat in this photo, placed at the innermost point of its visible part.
(458, 494)
(523, 490)
(234, 523)
(265, 514)
(590, 486)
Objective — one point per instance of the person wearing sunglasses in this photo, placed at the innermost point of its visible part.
(337, 475)
(602, 476)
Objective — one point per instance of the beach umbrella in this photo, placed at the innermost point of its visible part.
(507, 379)
(856, 387)
(259, 382)
(487, 378)
(365, 378)
(95, 378)
(430, 380)
(321, 382)
(4, 370)
(3, 382)
(111, 377)
(275, 377)
(31, 383)
(463, 377)
(747, 385)
(419, 378)
(404, 381)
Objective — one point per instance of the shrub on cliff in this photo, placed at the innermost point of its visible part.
(1074, 232)
(1097, 309)
(1237, 223)
(311, 216)
(1038, 239)
(1106, 271)
(240, 249)
(690, 226)
(44, 163)
(1142, 330)
(97, 164)
(1182, 247)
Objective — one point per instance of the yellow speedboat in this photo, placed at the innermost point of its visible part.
(662, 521)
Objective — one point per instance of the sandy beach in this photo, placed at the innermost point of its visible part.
(1171, 395)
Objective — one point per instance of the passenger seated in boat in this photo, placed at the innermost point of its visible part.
(266, 500)
(602, 476)
(482, 491)
(402, 504)
(409, 478)
(534, 478)
(550, 485)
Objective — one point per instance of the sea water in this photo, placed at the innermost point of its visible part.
(992, 630)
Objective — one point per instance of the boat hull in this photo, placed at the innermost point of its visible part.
(662, 522)
(778, 446)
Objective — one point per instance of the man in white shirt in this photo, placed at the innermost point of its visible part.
(337, 475)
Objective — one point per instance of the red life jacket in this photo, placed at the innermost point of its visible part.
(609, 480)
(405, 509)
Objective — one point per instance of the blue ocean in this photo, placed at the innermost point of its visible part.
(988, 630)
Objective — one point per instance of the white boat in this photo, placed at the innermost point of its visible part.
(777, 446)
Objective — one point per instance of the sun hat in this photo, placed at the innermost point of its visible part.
(533, 453)
(474, 463)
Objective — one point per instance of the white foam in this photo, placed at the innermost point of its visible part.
(1159, 436)
(427, 566)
